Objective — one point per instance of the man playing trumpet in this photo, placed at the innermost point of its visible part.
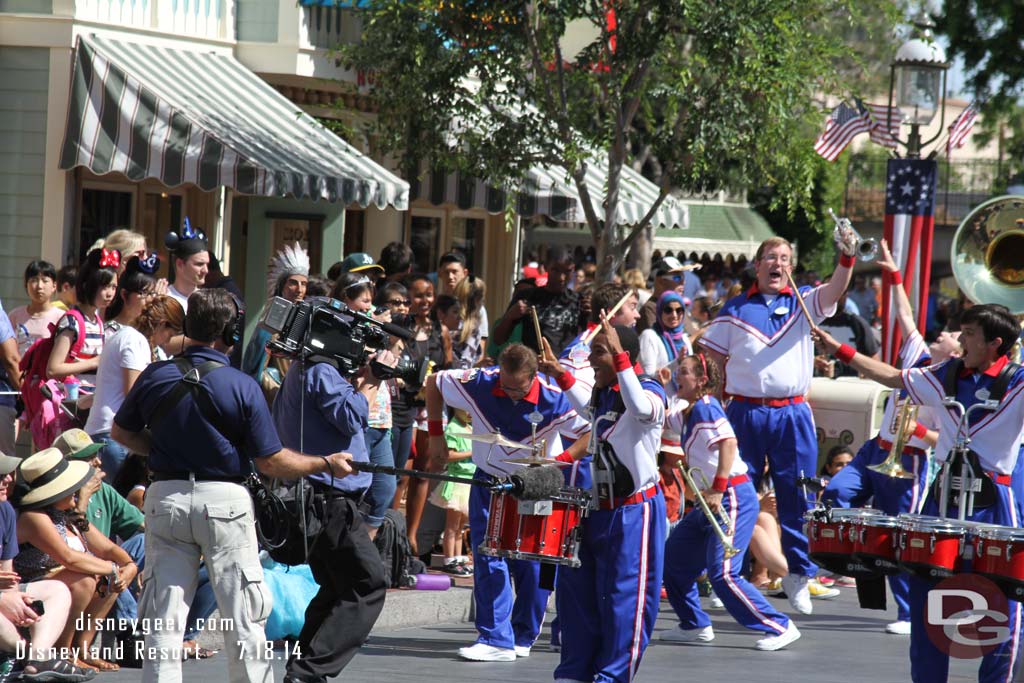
(699, 541)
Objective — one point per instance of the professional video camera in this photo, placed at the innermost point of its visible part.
(322, 329)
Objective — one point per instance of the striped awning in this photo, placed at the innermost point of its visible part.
(202, 118)
(550, 191)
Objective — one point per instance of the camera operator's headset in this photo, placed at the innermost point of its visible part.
(232, 332)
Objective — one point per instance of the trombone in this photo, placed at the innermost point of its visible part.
(892, 466)
(720, 523)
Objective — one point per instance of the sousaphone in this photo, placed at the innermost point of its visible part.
(988, 253)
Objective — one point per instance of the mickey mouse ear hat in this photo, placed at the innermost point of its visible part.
(190, 241)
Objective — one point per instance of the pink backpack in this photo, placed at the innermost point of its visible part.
(43, 415)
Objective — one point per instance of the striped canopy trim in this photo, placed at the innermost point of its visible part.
(550, 191)
(202, 118)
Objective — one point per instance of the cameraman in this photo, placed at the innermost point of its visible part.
(319, 411)
(197, 507)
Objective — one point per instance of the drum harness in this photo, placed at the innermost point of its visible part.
(610, 478)
(972, 480)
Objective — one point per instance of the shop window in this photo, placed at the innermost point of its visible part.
(102, 212)
(468, 238)
(424, 235)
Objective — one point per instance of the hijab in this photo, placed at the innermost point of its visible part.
(674, 338)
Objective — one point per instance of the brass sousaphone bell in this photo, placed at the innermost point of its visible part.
(987, 254)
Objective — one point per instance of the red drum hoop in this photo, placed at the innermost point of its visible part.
(999, 556)
(875, 538)
(931, 547)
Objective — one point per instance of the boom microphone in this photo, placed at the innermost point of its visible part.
(533, 483)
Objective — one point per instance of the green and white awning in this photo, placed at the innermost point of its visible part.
(202, 118)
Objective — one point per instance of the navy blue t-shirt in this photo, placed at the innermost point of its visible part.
(8, 532)
(184, 441)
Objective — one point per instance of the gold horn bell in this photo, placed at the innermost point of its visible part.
(988, 253)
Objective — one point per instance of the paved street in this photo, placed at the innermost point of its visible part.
(840, 643)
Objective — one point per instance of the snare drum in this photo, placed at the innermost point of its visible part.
(830, 537)
(542, 530)
(875, 537)
(930, 547)
(999, 555)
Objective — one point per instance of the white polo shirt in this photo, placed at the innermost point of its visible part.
(703, 430)
(768, 342)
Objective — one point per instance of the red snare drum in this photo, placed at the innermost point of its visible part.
(999, 555)
(830, 536)
(930, 547)
(875, 537)
(542, 530)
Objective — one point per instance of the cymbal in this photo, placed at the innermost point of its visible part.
(497, 440)
(530, 460)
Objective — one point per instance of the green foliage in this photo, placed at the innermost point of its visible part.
(723, 94)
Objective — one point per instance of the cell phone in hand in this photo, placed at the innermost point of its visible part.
(37, 607)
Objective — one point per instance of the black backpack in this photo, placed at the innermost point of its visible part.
(392, 543)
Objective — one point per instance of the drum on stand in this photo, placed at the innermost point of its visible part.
(999, 556)
(830, 539)
(875, 537)
(541, 530)
(931, 547)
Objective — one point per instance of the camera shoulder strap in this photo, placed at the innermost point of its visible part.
(189, 385)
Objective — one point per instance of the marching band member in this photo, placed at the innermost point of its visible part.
(499, 399)
(710, 446)
(855, 484)
(987, 333)
(608, 606)
(760, 338)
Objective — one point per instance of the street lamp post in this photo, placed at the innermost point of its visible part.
(917, 85)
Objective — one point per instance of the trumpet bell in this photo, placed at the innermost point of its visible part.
(867, 249)
(988, 253)
(891, 467)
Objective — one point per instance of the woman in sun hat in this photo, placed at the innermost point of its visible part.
(57, 542)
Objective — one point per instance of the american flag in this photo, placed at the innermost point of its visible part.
(842, 126)
(909, 225)
(884, 120)
(961, 128)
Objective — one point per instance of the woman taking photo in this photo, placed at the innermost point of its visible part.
(127, 353)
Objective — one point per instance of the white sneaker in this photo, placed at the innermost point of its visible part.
(780, 641)
(716, 602)
(688, 635)
(522, 651)
(482, 652)
(798, 593)
(898, 628)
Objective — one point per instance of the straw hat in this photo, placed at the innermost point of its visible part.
(75, 444)
(49, 477)
(8, 464)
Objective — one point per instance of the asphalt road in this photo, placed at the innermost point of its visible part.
(841, 643)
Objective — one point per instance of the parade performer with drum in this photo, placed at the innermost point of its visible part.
(761, 339)
(899, 489)
(719, 542)
(506, 402)
(987, 333)
(607, 607)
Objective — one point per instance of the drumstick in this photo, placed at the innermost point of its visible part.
(536, 328)
(800, 299)
(589, 336)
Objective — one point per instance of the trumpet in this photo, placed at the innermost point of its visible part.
(866, 249)
(720, 523)
(892, 466)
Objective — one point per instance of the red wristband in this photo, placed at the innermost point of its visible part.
(566, 380)
(565, 456)
(920, 431)
(622, 361)
(846, 353)
(435, 428)
(895, 278)
(847, 261)
(720, 484)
